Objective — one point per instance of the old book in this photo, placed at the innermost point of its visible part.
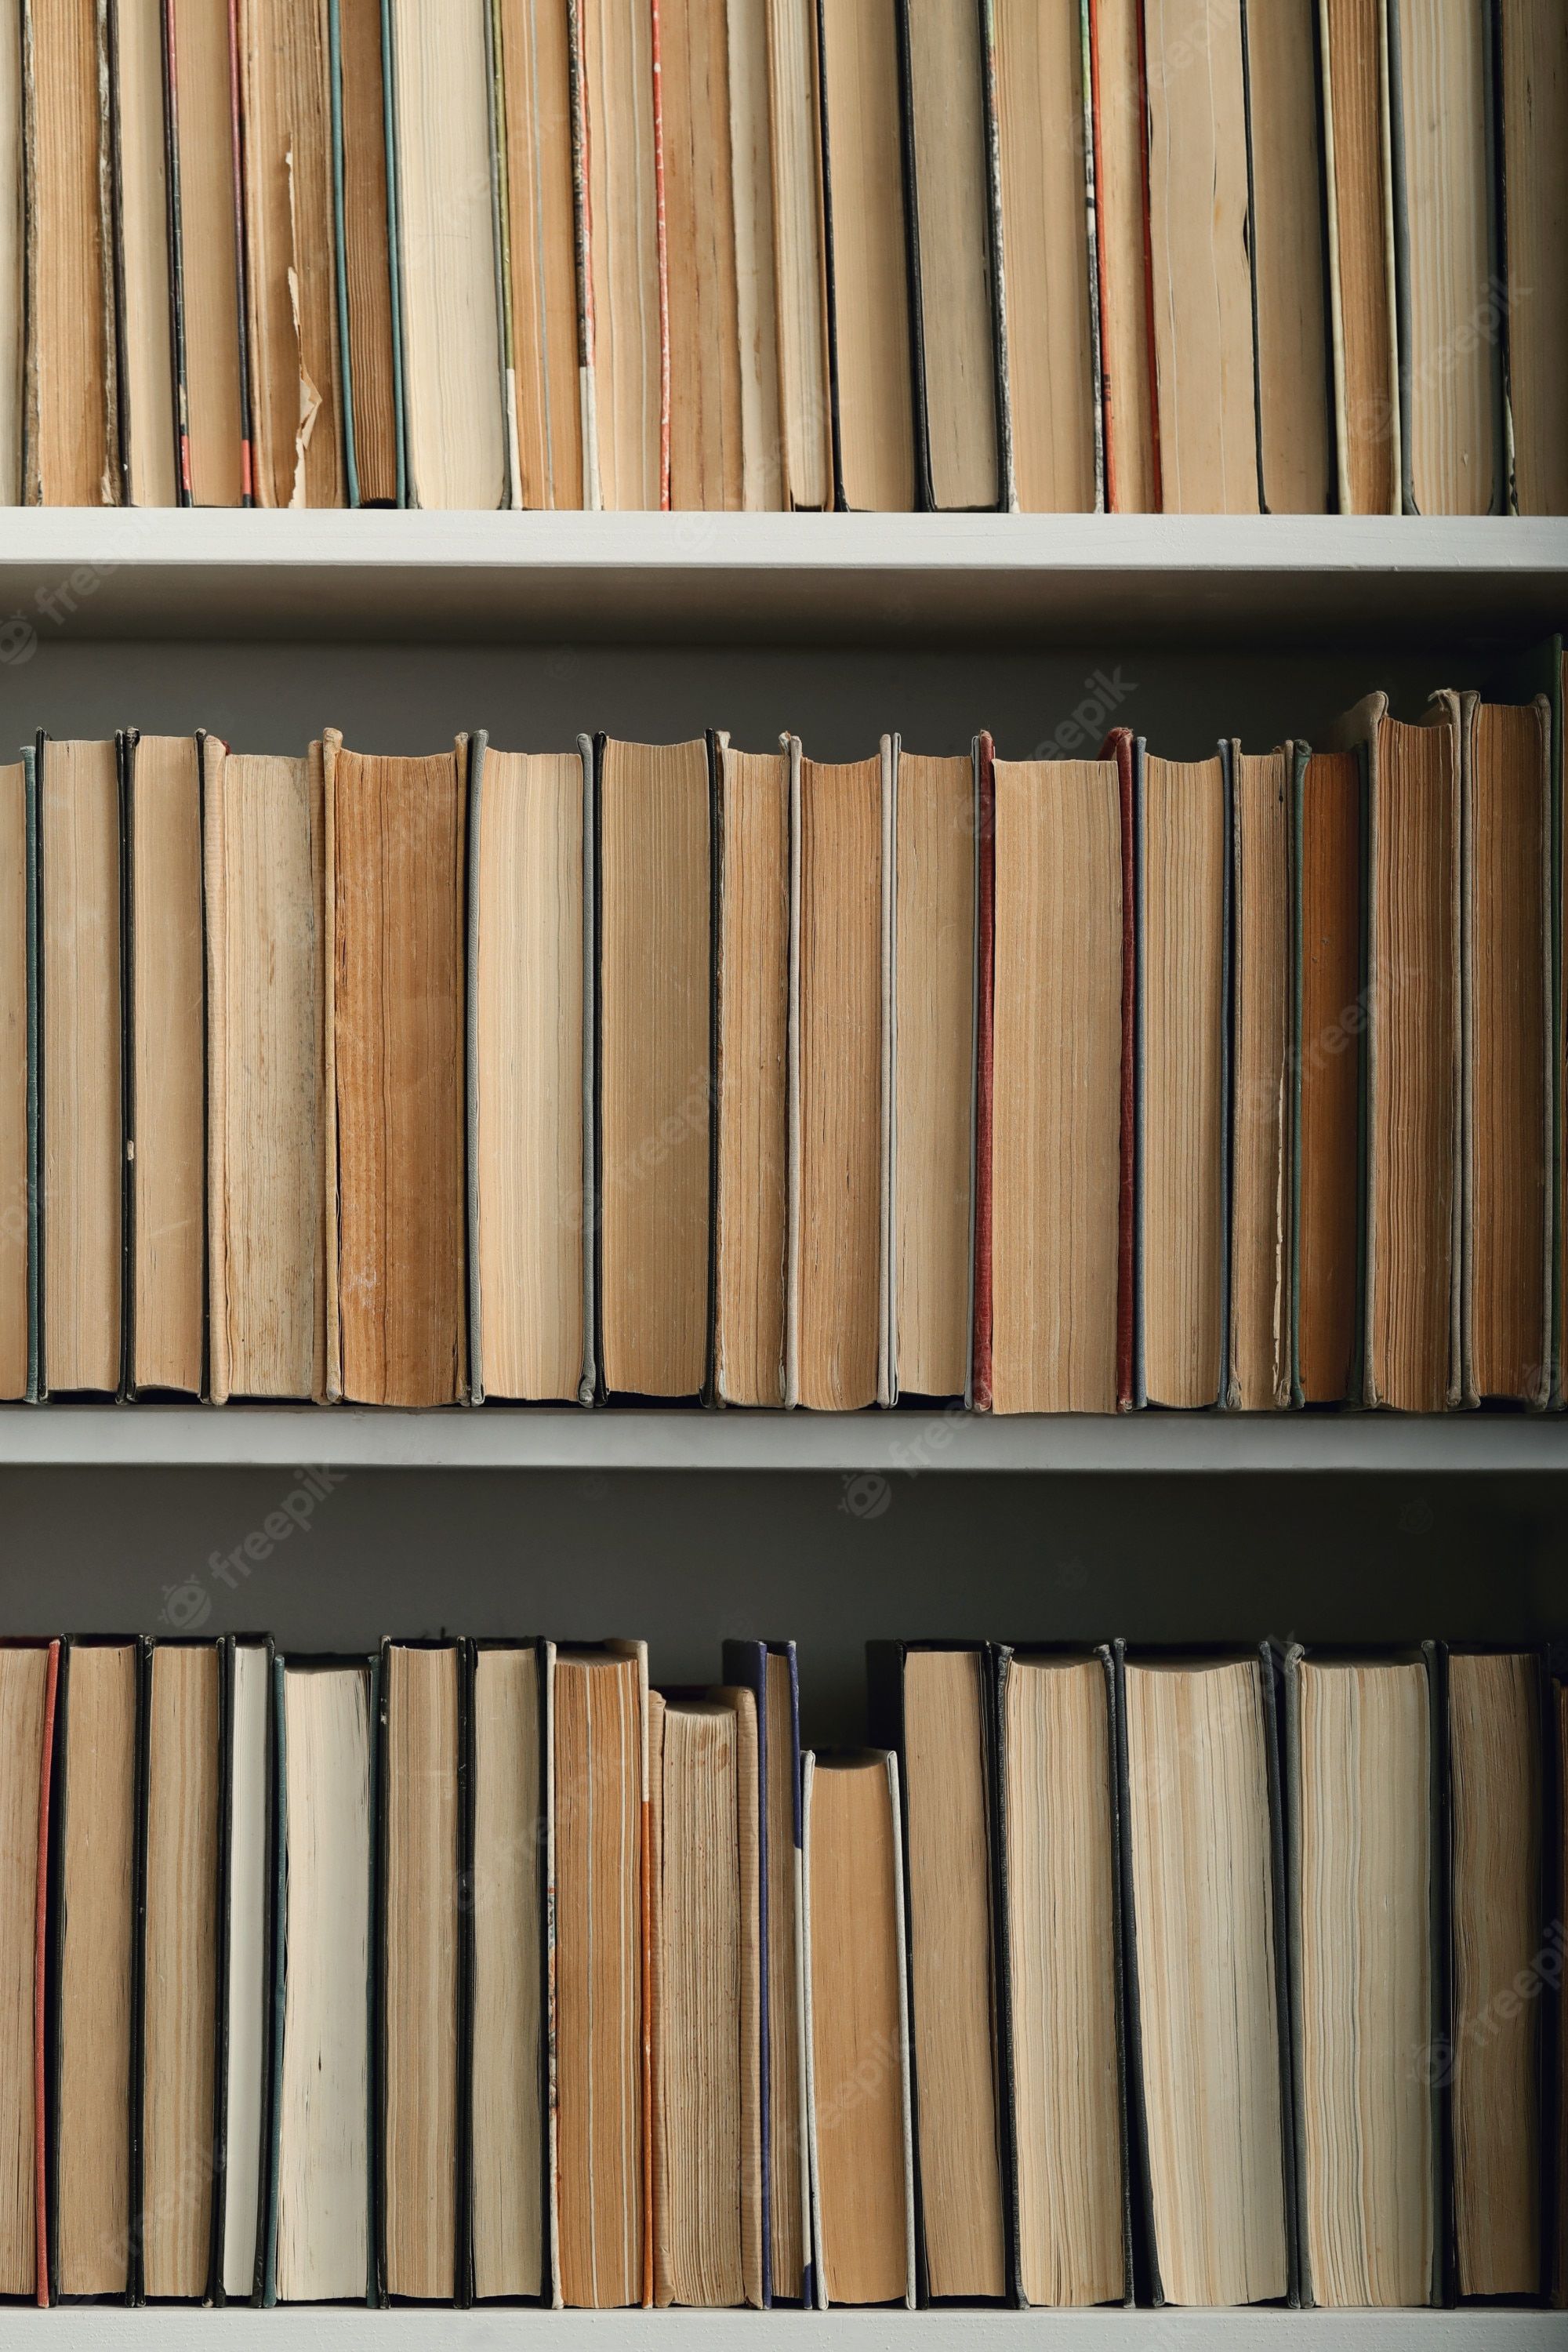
(13, 258)
(857, 2029)
(531, 839)
(1412, 1096)
(16, 923)
(840, 819)
(1259, 1341)
(1203, 1939)
(1202, 274)
(707, 1895)
(1450, 362)
(954, 329)
(319, 2245)
(1497, 1922)
(868, 298)
(94, 2025)
(79, 983)
(1360, 1863)
(246, 1924)
(507, 2219)
(600, 2019)
(394, 865)
(1329, 1023)
(206, 221)
(1362, 297)
(1059, 1072)
(800, 255)
(1182, 1080)
(751, 1171)
(181, 1906)
(540, 252)
(291, 262)
(1060, 1863)
(1295, 453)
(454, 419)
(70, 431)
(372, 379)
(762, 478)
(148, 439)
(1119, 96)
(1534, 162)
(165, 1095)
(624, 348)
(700, 262)
(263, 848)
(655, 921)
(1506, 928)
(933, 889)
(420, 1860)
(28, 1674)
(1050, 312)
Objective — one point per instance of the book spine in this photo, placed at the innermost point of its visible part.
(40, 1992)
(582, 225)
(981, 1363)
(662, 242)
(1119, 746)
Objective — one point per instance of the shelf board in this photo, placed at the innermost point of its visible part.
(880, 1447)
(769, 578)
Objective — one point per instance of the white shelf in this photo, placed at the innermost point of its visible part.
(887, 1447)
(737, 578)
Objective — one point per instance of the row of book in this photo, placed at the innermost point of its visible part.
(482, 1970)
(1209, 255)
(683, 1073)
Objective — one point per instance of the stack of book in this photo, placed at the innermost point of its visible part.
(686, 1073)
(483, 1971)
(1204, 256)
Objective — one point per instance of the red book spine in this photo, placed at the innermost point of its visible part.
(1117, 746)
(40, 2169)
(984, 1033)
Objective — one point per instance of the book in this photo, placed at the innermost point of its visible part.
(1533, 87)
(180, 1908)
(1363, 325)
(1498, 1921)
(1119, 99)
(1285, 161)
(17, 920)
(931, 1110)
(700, 259)
(751, 1072)
(291, 263)
(1182, 1210)
(954, 337)
(869, 328)
(539, 252)
(800, 256)
(166, 1079)
(319, 2244)
(396, 1279)
(1440, 96)
(510, 2249)
(244, 1966)
(29, 1677)
(370, 352)
(421, 2097)
(762, 479)
(148, 439)
(1206, 2006)
(206, 213)
(1062, 2052)
(1412, 780)
(859, 2123)
(1048, 303)
(449, 315)
(1329, 1022)
(1202, 332)
(1058, 1124)
(617, 171)
(654, 900)
(71, 452)
(1359, 1763)
(1556, 1806)
(531, 837)
(81, 1209)
(705, 1901)
(839, 821)
(599, 2020)
(13, 251)
(933, 1702)
(263, 839)
(1260, 1369)
(96, 1971)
